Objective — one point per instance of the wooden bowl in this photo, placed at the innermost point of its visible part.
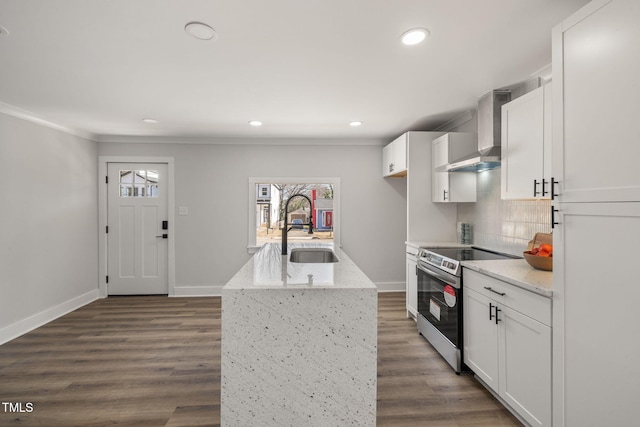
(539, 262)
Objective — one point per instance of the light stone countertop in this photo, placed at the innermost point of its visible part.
(428, 244)
(269, 269)
(516, 272)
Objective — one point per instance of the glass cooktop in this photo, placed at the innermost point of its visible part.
(448, 259)
(470, 254)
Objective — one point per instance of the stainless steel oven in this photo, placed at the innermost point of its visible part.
(440, 298)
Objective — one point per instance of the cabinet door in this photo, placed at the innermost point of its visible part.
(456, 186)
(480, 337)
(595, 73)
(400, 153)
(394, 157)
(440, 151)
(525, 366)
(462, 186)
(387, 159)
(547, 148)
(440, 188)
(440, 180)
(412, 287)
(522, 146)
(595, 314)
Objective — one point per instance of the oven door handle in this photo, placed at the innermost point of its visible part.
(441, 276)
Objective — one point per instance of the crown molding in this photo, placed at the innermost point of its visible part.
(163, 139)
(20, 113)
(23, 114)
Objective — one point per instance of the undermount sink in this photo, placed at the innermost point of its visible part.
(313, 255)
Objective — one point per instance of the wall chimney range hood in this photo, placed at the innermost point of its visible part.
(489, 135)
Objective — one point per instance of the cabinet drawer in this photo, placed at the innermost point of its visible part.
(528, 303)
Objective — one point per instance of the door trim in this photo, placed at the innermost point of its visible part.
(102, 217)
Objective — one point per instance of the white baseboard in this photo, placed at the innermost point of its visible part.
(391, 286)
(23, 326)
(197, 291)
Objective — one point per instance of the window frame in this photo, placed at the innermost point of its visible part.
(252, 246)
(146, 186)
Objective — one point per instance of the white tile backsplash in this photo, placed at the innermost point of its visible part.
(503, 225)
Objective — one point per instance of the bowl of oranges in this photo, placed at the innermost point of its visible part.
(539, 253)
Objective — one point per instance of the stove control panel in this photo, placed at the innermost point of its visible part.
(447, 264)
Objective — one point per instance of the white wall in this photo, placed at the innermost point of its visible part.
(48, 224)
(211, 180)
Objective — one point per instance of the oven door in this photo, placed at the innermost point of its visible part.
(440, 302)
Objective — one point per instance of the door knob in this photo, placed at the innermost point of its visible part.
(164, 236)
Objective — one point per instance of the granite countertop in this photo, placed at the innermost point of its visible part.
(516, 272)
(269, 269)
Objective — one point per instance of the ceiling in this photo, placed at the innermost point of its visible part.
(305, 68)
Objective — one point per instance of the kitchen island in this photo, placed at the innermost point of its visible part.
(299, 342)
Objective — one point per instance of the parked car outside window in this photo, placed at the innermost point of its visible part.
(296, 223)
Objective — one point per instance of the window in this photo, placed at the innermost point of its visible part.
(138, 183)
(268, 197)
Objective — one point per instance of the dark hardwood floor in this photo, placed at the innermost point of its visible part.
(155, 361)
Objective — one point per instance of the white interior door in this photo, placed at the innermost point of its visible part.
(137, 238)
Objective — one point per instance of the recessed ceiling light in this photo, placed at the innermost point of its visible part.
(415, 36)
(255, 123)
(200, 30)
(3, 31)
(355, 123)
(149, 120)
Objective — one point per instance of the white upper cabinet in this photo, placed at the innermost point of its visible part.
(394, 157)
(526, 146)
(453, 186)
(596, 64)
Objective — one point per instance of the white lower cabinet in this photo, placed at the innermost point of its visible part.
(507, 344)
(412, 286)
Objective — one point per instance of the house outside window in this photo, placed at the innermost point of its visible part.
(270, 200)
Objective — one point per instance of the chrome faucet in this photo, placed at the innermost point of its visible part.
(285, 230)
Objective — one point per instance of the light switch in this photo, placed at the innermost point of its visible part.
(183, 210)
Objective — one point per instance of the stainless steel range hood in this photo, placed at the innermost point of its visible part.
(489, 135)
